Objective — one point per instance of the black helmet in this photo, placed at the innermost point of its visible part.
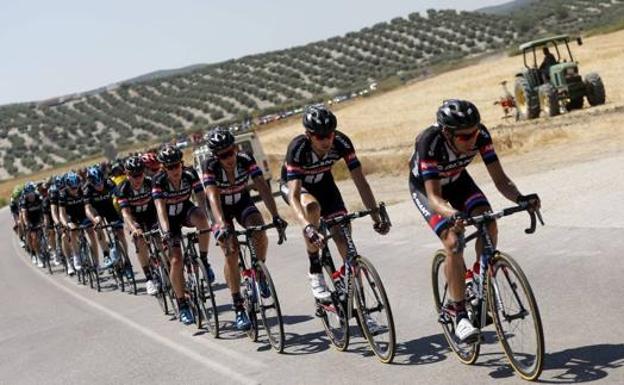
(169, 154)
(456, 114)
(117, 167)
(319, 120)
(219, 139)
(134, 165)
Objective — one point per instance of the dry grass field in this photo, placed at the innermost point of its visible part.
(383, 126)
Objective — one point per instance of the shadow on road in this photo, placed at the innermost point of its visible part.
(570, 366)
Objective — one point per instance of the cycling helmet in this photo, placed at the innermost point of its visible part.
(30, 187)
(319, 120)
(150, 161)
(117, 167)
(58, 181)
(134, 165)
(220, 139)
(95, 175)
(169, 154)
(72, 180)
(455, 114)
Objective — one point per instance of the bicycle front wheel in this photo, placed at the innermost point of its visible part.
(207, 303)
(516, 317)
(373, 310)
(334, 314)
(467, 353)
(270, 310)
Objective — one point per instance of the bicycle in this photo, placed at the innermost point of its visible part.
(198, 286)
(253, 273)
(497, 271)
(44, 252)
(59, 248)
(89, 269)
(122, 270)
(347, 288)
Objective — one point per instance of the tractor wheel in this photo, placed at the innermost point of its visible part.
(527, 102)
(575, 104)
(548, 100)
(595, 89)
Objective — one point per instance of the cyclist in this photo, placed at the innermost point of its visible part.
(31, 211)
(72, 214)
(225, 177)
(308, 186)
(43, 189)
(99, 193)
(139, 213)
(171, 191)
(15, 211)
(54, 193)
(445, 194)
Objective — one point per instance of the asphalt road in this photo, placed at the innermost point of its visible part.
(53, 331)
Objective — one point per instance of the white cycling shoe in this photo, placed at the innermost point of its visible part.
(319, 287)
(465, 331)
(151, 288)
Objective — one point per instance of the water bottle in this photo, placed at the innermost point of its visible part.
(114, 256)
(337, 277)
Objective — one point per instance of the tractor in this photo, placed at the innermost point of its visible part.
(555, 86)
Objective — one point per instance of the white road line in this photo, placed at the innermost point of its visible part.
(216, 366)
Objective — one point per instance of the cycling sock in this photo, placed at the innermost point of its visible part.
(203, 255)
(147, 273)
(460, 310)
(315, 263)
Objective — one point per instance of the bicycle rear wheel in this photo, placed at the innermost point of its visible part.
(467, 353)
(207, 303)
(334, 314)
(373, 310)
(516, 317)
(270, 311)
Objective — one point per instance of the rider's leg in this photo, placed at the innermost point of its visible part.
(260, 240)
(102, 241)
(198, 219)
(93, 244)
(454, 268)
(176, 274)
(312, 212)
(231, 270)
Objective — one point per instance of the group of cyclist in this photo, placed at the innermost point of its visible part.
(153, 191)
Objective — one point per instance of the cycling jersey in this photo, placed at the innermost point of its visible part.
(74, 206)
(14, 206)
(34, 208)
(177, 200)
(231, 192)
(140, 202)
(303, 163)
(434, 158)
(315, 172)
(102, 201)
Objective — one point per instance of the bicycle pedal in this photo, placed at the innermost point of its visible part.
(320, 312)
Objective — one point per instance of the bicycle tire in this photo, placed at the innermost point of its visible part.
(161, 296)
(506, 264)
(467, 353)
(127, 265)
(334, 316)
(364, 265)
(276, 341)
(250, 297)
(210, 313)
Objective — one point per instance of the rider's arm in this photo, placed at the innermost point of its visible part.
(265, 193)
(434, 194)
(63, 216)
(294, 197)
(90, 211)
(161, 209)
(214, 198)
(24, 217)
(129, 219)
(502, 181)
(55, 213)
(365, 192)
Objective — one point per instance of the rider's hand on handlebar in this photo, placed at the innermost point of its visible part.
(221, 232)
(312, 234)
(458, 221)
(97, 220)
(279, 222)
(71, 226)
(381, 227)
(137, 232)
(531, 200)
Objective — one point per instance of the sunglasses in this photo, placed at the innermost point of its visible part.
(322, 136)
(466, 137)
(137, 175)
(172, 166)
(226, 154)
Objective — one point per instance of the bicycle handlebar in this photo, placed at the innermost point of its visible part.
(383, 213)
(249, 230)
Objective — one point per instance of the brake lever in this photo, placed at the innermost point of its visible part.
(531, 228)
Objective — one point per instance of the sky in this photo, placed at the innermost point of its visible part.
(53, 48)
